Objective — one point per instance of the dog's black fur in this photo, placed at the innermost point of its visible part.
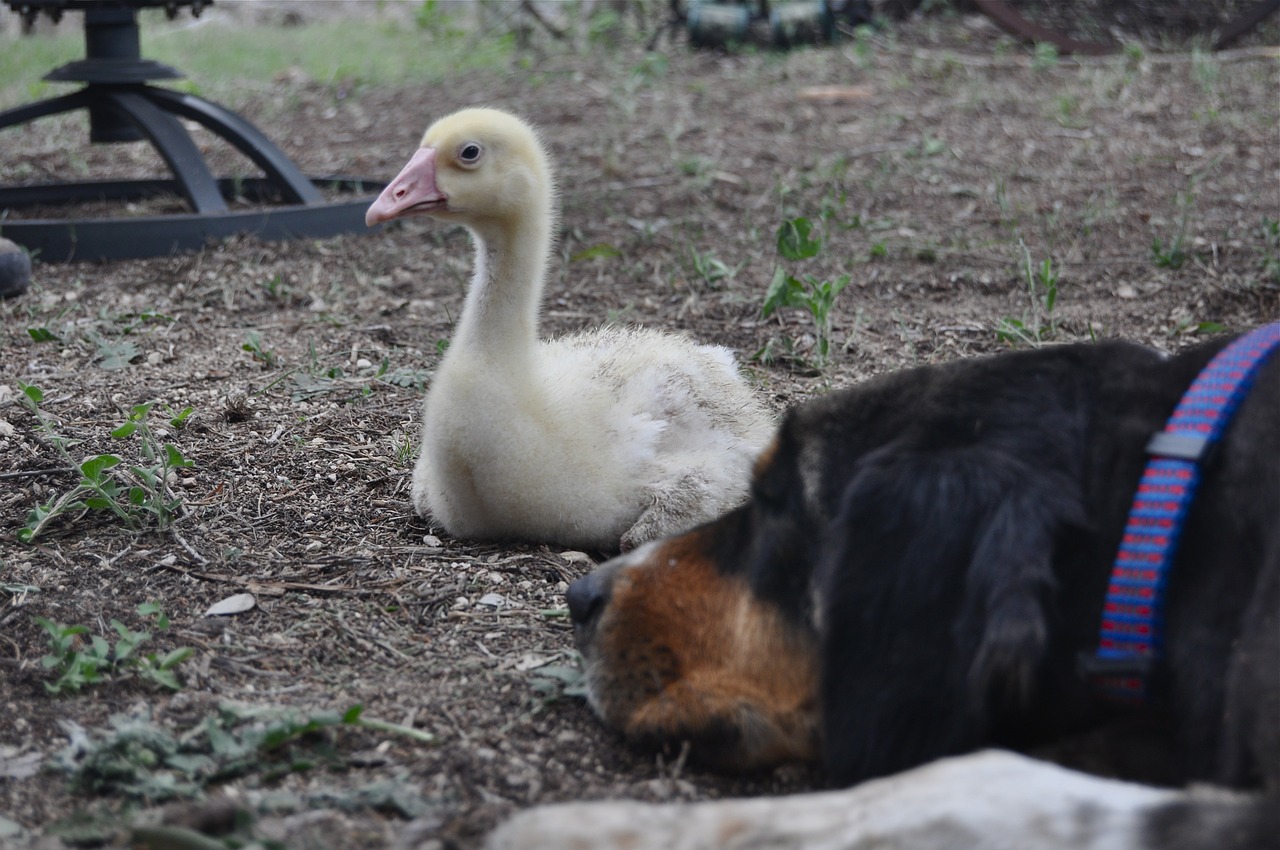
(922, 561)
(966, 517)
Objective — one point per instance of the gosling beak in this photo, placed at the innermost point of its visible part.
(412, 192)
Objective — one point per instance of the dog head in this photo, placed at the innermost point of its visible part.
(708, 638)
(879, 598)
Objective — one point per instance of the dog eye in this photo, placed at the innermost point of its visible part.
(470, 153)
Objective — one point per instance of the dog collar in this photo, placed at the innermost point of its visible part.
(1131, 635)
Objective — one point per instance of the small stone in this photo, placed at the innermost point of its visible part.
(15, 269)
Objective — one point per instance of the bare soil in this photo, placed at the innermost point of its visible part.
(947, 161)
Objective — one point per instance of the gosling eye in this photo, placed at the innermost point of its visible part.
(470, 153)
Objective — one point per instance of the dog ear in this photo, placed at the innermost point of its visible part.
(933, 584)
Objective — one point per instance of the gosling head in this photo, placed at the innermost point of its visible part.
(477, 167)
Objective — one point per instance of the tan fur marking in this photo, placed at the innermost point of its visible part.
(682, 649)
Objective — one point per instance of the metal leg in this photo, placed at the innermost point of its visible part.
(168, 137)
(52, 106)
(245, 137)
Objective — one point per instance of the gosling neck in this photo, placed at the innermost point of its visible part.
(500, 315)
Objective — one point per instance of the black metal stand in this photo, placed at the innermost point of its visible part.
(123, 107)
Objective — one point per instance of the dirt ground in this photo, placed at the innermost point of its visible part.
(948, 163)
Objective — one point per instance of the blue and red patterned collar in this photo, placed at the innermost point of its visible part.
(1131, 636)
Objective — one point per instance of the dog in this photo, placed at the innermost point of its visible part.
(922, 562)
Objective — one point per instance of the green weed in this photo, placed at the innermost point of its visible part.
(863, 47)
(253, 344)
(151, 494)
(1038, 325)
(710, 269)
(402, 448)
(138, 759)
(797, 241)
(556, 681)
(276, 289)
(1172, 255)
(78, 663)
(319, 379)
(1045, 57)
(1270, 230)
(144, 501)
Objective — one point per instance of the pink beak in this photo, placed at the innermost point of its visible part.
(413, 191)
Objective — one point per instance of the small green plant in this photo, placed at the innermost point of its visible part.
(1046, 56)
(1206, 70)
(151, 495)
(139, 758)
(402, 448)
(710, 269)
(930, 146)
(31, 397)
(276, 289)
(556, 681)
(78, 663)
(1270, 230)
(626, 96)
(436, 21)
(96, 490)
(863, 52)
(253, 344)
(318, 379)
(146, 501)
(1173, 255)
(601, 251)
(796, 241)
(1039, 324)
(114, 354)
(42, 334)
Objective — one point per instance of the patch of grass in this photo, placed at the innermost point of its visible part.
(376, 50)
(1270, 231)
(1206, 70)
(626, 95)
(277, 290)
(1038, 325)
(1171, 255)
(929, 146)
(553, 682)
(253, 344)
(863, 46)
(138, 759)
(710, 269)
(1045, 57)
(78, 662)
(145, 500)
(1191, 326)
(318, 379)
(402, 448)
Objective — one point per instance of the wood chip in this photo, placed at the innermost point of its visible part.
(237, 604)
(835, 94)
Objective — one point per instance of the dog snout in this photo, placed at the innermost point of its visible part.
(586, 597)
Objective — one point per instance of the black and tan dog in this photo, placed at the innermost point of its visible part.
(922, 561)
